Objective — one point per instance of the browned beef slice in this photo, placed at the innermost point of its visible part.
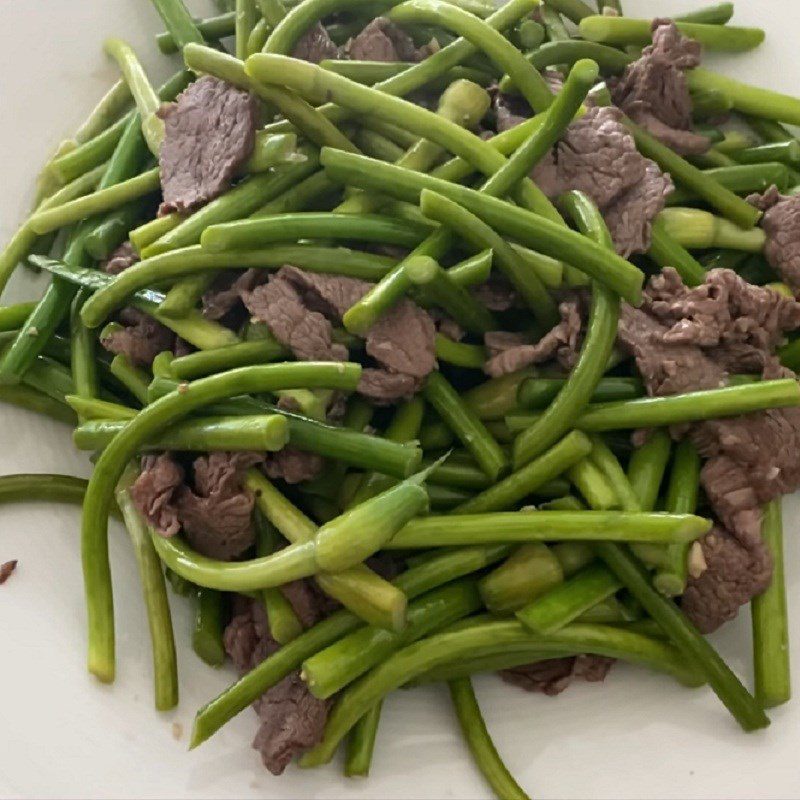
(665, 368)
(6, 570)
(294, 466)
(742, 324)
(226, 294)
(654, 92)
(382, 40)
(510, 352)
(497, 294)
(553, 676)
(734, 575)
(247, 638)
(315, 45)
(123, 257)
(630, 219)
(781, 222)
(292, 721)
(446, 326)
(141, 339)
(403, 343)
(209, 134)
(154, 493)
(509, 110)
(330, 295)
(308, 334)
(384, 388)
(403, 340)
(309, 603)
(597, 155)
(217, 517)
(751, 459)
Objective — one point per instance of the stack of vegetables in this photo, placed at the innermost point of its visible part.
(520, 524)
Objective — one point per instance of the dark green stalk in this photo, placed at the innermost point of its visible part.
(208, 627)
(694, 647)
(165, 666)
(466, 426)
(361, 744)
(480, 743)
(770, 621)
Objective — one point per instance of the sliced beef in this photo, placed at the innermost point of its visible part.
(226, 295)
(734, 574)
(330, 295)
(209, 133)
(510, 352)
(741, 324)
(294, 466)
(6, 570)
(403, 340)
(447, 327)
(752, 459)
(309, 603)
(217, 517)
(654, 92)
(665, 368)
(382, 40)
(247, 637)
(154, 493)
(123, 257)
(509, 110)
(315, 45)
(308, 334)
(497, 294)
(597, 155)
(141, 338)
(553, 676)
(781, 222)
(384, 388)
(403, 343)
(291, 719)
(630, 220)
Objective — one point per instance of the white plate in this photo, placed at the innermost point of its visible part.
(64, 735)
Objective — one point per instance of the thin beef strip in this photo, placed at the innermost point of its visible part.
(734, 575)
(226, 294)
(209, 133)
(598, 156)
(154, 493)
(665, 368)
(752, 459)
(553, 676)
(217, 517)
(298, 306)
(781, 223)
(6, 570)
(510, 352)
(382, 40)
(123, 257)
(497, 294)
(141, 338)
(291, 719)
(315, 45)
(740, 324)
(294, 466)
(653, 91)
(308, 334)
(510, 109)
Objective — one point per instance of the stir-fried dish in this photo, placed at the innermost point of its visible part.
(453, 340)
